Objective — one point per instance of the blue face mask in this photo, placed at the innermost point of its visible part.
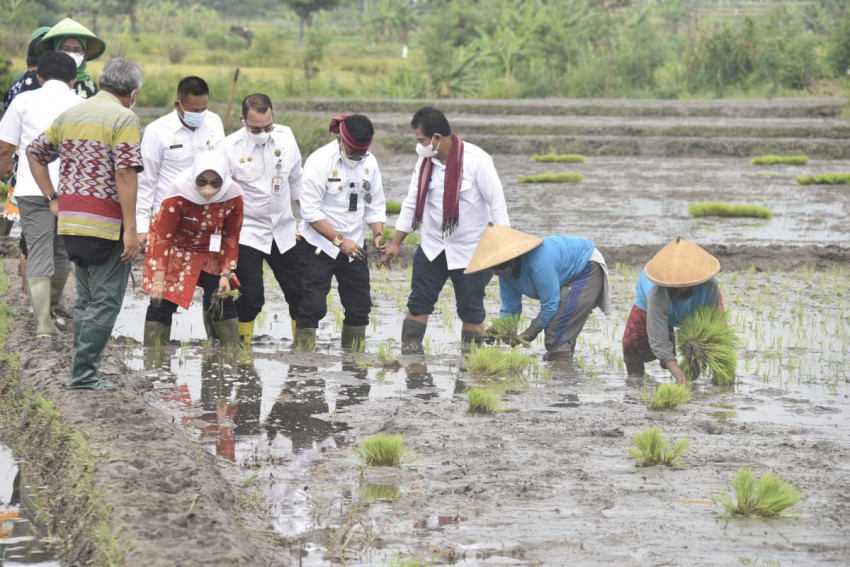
(192, 119)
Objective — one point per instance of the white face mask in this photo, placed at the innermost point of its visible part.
(78, 58)
(259, 139)
(428, 151)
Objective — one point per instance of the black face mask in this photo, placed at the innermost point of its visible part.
(512, 269)
(682, 294)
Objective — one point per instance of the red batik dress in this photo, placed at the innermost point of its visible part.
(179, 243)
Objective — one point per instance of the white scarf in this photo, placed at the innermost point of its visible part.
(185, 185)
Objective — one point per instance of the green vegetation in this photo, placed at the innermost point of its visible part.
(559, 158)
(411, 238)
(825, 179)
(551, 178)
(384, 451)
(504, 329)
(770, 497)
(482, 401)
(651, 448)
(726, 210)
(371, 492)
(777, 160)
(393, 207)
(707, 343)
(669, 396)
(491, 361)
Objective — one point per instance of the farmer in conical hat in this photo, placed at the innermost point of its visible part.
(73, 38)
(678, 280)
(566, 273)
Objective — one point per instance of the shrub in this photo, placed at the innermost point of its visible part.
(777, 160)
(177, 52)
(825, 179)
(651, 448)
(669, 396)
(551, 178)
(728, 210)
(384, 451)
(559, 158)
(708, 344)
(482, 401)
(770, 497)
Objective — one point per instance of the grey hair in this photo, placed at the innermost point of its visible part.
(120, 76)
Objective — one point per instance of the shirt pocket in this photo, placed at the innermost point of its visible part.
(246, 171)
(177, 153)
(468, 193)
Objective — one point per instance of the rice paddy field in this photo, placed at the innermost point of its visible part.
(547, 479)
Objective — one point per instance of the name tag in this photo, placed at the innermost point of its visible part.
(175, 146)
(215, 243)
(277, 184)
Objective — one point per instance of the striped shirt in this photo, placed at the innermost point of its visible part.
(94, 140)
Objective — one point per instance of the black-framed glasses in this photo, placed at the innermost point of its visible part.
(214, 183)
(357, 155)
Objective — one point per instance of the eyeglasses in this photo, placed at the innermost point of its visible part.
(214, 183)
(260, 129)
(356, 155)
(74, 50)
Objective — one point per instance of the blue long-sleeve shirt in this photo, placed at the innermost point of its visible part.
(544, 270)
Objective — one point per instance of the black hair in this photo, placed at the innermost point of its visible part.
(32, 54)
(192, 85)
(57, 65)
(432, 121)
(257, 102)
(360, 127)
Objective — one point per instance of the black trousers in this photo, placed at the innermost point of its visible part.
(209, 283)
(286, 268)
(352, 279)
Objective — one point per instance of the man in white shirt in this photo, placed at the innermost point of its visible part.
(29, 115)
(342, 188)
(454, 193)
(264, 159)
(171, 143)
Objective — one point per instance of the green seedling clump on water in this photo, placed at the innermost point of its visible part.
(769, 497)
(411, 238)
(727, 210)
(651, 448)
(393, 207)
(559, 158)
(825, 179)
(551, 178)
(384, 451)
(505, 328)
(492, 361)
(780, 160)
(669, 396)
(708, 344)
(482, 401)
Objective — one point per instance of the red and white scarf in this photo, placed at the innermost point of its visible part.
(451, 188)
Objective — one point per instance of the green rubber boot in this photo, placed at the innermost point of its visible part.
(39, 289)
(90, 346)
(57, 286)
(412, 335)
(208, 325)
(227, 331)
(305, 339)
(156, 334)
(354, 338)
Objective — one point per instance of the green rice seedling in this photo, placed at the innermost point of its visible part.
(773, 159)
(825, 179)
(387, 359)
(517, 362)
(559, 158)
(505, 328)
(669, 396)
(652, 448)
(707, 343)
(372, 492)
(551, 178)
(411, 238)
(769, 497)
(486, 361)
(393, 207)
(482, 401)
(709, 209)
(384, 451)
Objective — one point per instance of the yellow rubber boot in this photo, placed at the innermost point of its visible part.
(246, 332)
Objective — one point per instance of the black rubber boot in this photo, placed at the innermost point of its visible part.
(412, 335)
(354, 338)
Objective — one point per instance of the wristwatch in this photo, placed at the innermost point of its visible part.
(51, 198)
(337, 241)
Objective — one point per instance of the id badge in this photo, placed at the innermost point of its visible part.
(277, 184)
(352, 202)
(215, 243)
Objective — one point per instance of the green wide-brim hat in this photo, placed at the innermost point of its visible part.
(681, 264)
(72, 28)
(499, 244)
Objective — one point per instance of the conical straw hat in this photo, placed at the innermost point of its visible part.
(681, 264)
(72, 28)
(499, 244)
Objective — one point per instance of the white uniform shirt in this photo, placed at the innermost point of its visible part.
(169, 148)
(482, 200)
(30, 114)
(330, 183)
(258, 169)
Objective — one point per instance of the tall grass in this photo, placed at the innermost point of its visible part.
(780, 160)
(710, 209)
(707, 343)
(769, 497)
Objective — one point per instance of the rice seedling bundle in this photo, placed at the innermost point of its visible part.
(769, 497)
(709, 209)
(708, 344)
(482, 401)
(551, 178)
(559, 158)
(652, 448)
(486, 361)
(825, 179)
(777, 160)
(393, 207)
(504, 328)
(669, 396)
(383, 451)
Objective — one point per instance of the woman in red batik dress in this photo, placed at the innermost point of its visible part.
(194, 241)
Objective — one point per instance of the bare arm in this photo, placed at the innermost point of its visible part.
(7, 150)
(127, 182)
(347, 247)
